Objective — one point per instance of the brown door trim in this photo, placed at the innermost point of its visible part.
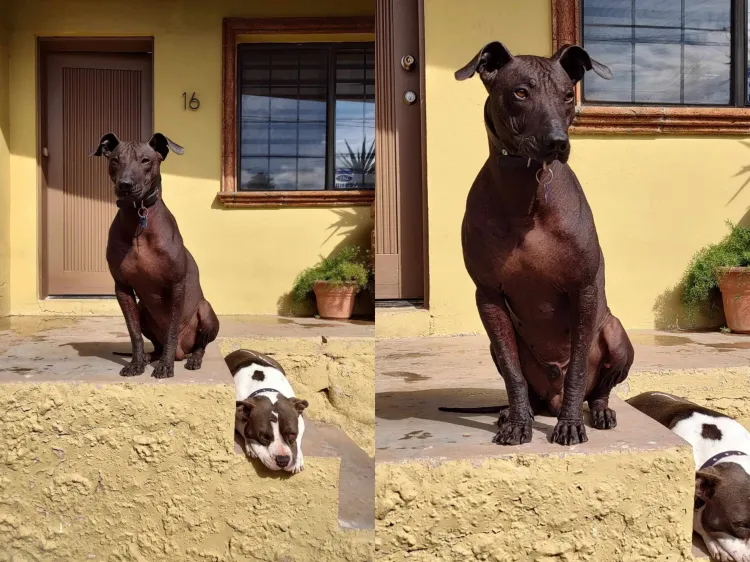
(50, 46)
(400, 256)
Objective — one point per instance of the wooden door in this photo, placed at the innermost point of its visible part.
(86, 95)
(399, 225)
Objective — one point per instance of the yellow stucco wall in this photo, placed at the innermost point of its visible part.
(610, 507)
(247, 258)
(655, 200)
(4, 169)
(147, 472)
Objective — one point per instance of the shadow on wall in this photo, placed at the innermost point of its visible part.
(669, 311)
(352, 231)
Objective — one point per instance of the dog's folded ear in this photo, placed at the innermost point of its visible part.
(299, 405)
(576, 61)
(706, 482)
(163, 145)
(107, 145)
(487, 61)
(244, 407)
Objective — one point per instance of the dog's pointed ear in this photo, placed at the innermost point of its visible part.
(576, 61)
(492, 57)
(163, 145)
(107, 145)
(299, 405)
(244, 407)
(706, 482)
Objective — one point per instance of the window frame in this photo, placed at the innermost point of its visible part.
(233, 29)
(650, 119)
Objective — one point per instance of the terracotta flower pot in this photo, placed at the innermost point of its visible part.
(335, 303)
(734, 283)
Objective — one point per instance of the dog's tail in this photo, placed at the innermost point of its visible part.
(477, 410)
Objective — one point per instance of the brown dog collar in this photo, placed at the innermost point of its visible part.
(142, 206)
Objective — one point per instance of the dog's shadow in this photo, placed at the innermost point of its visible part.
(260, 468)
(424, 404)
(115, 352)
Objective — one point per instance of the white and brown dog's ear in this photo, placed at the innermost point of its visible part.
(243, 408)
(706, 482)
(299, 405)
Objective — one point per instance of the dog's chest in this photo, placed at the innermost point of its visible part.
(145, 264)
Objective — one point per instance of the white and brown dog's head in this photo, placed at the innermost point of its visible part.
(722, 502)
(268, 415)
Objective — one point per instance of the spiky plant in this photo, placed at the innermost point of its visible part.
(362, 161)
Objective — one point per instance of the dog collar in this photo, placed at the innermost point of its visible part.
(145, 204)
(716, 458)
(507, 159)
(262, 390)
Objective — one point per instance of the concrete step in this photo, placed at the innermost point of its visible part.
(40, 350)
(444, 491)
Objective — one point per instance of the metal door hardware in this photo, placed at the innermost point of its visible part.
(408, 62)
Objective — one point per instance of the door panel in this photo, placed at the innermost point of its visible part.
(87, 95)
(399, 243)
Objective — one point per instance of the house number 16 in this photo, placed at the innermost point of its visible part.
(193, 103)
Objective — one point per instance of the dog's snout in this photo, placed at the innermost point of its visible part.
(283, 460)
(556, 142)
(124, 186)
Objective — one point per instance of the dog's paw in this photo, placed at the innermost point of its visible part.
(502, 418)
(513, 432)
(194, 362)
(569, 432)
(133, 369)
(603, 418)
(163, 370)
(299, 465)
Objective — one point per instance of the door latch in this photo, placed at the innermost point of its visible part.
(410, 97)
(408, 62)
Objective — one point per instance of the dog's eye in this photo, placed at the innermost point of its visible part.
(145, 161)
(569, 96)
(291, 437)
(115, 161)
(521, 93)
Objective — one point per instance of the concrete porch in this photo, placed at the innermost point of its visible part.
(62, 402)
(416, 376)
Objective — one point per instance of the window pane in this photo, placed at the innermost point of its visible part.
(355, 118)
(283, 116)
(671, 51)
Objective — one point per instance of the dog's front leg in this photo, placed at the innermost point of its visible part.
(164, 369)
(515, 428)
(570, 429)
(126, 300)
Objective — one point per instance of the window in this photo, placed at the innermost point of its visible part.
(299, 116)
(678, 65)
(307, 117)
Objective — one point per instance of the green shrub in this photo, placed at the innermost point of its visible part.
(700, 286)
(348, 265)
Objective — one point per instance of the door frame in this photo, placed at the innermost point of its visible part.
(386, 29)
(45, 47)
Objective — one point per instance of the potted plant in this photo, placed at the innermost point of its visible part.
(722, 268)
(335, 282)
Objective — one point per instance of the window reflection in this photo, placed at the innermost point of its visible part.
(296, 101)
(666, 52)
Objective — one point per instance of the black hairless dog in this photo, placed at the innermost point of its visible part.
(531, 248)
(148, 260)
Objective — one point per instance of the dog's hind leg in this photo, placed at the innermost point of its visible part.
(616, 357)
(208, 329)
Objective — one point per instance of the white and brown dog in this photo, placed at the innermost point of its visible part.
(268, 415)
(721, 447)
